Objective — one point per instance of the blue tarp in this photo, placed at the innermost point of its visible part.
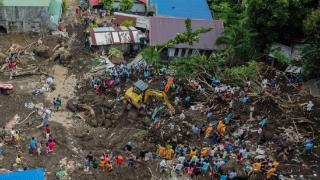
(194, 9)
(33, 174)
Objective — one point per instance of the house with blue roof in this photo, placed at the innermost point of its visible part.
(193, 9)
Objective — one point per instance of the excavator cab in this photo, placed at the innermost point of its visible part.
(135, 94)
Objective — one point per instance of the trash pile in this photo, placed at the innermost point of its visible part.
(48, 85)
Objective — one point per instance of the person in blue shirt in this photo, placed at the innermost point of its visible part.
(32, 145)
(308, 146)
(195, 130)
(187, 101)
(205, 167)
(223, 177)
(245, 99)
(264, 121)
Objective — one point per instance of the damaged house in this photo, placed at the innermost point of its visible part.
(29, 15)
(123, 38)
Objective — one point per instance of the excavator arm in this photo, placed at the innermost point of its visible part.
(160, 94)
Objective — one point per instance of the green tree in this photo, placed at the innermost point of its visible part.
(311, 61)
(127, 23)
(240, 74)
(238, 39)
(267, 18)
(107, 4)
(152, 57)
(199, 65)
(126, 5)
(311, 53)
(114, 52)
(312, 25)
(228, 11)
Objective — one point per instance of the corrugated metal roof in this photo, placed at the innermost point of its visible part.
(38, 3)
(118, 35)
(163, 29)
(143, 1)
(94, 2)
(34, 174)
(194, 9)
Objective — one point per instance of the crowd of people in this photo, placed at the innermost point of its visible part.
(223, 141)
(43, 144)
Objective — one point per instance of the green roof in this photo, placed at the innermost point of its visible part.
(31, 3)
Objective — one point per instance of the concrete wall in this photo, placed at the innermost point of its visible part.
(25, 19)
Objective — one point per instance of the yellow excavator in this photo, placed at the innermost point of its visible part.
(140, 92)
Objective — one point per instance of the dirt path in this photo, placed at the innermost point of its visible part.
(65, 85)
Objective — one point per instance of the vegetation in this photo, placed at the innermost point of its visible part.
(107, 4)
(238, 39)
(197, 65)
(126, 5)
(251, 26)
(239, 74)
(114, 52)
(152, 57)
(279, 56)
(127, 23)
(64, 6)
(311, 61)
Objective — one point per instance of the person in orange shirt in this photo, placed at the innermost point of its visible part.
(204, 152)
(271, 172)
(192, 152)
(169, 153)
(275, 164)
(221, 128)
(256, 166)
(208, 131)
(162, 151)
(102, 163)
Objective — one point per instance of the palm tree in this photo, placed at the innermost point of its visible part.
(238, 39)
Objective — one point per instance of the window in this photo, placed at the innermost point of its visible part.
(190, 52)
(176, 52)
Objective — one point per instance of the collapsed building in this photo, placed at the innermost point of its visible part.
(29, 15)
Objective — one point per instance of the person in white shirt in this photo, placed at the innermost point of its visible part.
(310, 106)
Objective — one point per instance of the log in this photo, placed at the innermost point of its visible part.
(92, 121)
(26, 118)
(27, 72)
(87, 107)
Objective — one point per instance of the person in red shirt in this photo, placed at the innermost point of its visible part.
(51, 146)
(48, 131)
(119, 160)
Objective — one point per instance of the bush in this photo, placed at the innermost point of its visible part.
(64, 6)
